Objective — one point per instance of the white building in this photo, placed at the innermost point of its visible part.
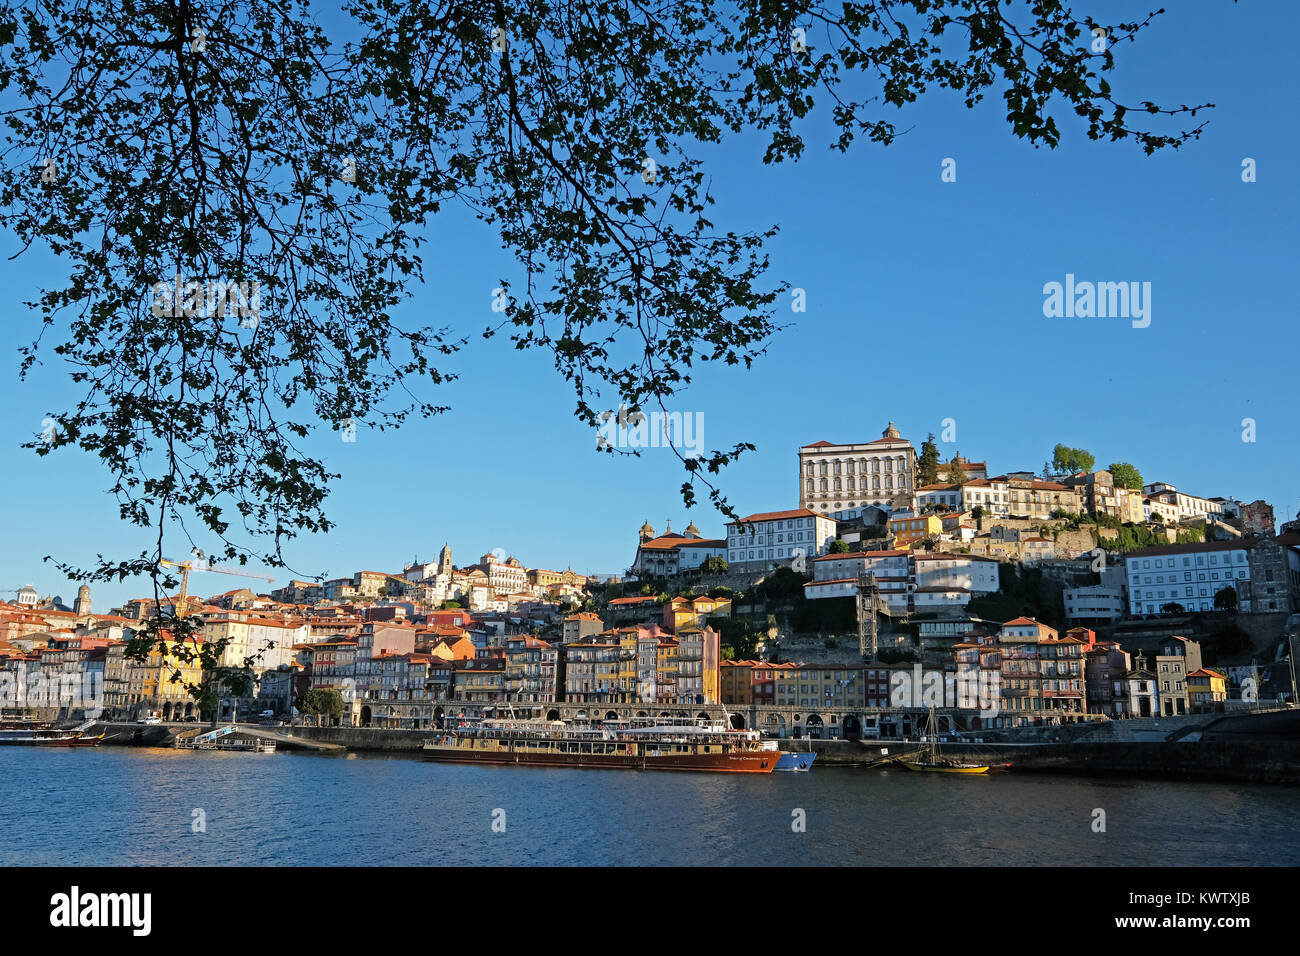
(840, 480)
(974, 573)
(1189, 506)
(674, 553)
(1096, 604)
(758, 542)
(908, 581)
(941, 493)
(1186, 574)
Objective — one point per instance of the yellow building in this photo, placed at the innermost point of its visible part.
(683, 612)
(1205, 688)
(911, 528)
(161, 684)
(669, 653)
(737, 682)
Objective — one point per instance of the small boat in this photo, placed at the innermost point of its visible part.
(795, 762)
(933, 762)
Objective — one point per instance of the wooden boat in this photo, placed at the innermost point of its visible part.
(934, 762)
(665, 745)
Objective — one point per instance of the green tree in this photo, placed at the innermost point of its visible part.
(955, 474)
(252, 145)
(1072, 460)
(977, 512)
(714, 564)
(1225, 599)
(1125, 475)
(839, 546)
(927, 465)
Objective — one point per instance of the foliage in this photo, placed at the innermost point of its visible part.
(1021, 592)
(1228, 641)
(322, 703)
(955, 475)
(927, 464)
(1125, 475)
(977, 512)
(839, 546)
(196, 146)
(1173, 607)
(1225, 599)
(714, 564)
(1072, 460)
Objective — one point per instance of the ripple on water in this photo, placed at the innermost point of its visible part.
(135, 806)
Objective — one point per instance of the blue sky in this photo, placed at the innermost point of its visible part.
(924, 302)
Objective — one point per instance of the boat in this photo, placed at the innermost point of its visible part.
(796, 762)
(934, 762)
(44, 735)
(646, 744)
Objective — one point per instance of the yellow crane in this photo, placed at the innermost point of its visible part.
(202, 564)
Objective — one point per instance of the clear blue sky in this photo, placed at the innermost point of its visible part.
(924, 303)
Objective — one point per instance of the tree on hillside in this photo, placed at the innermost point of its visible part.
(1125, 475)
(237, 195)
(1225, 599)
(714, 564)
(955, 475)
(839, 546)
(1072, 460)
(927, 465)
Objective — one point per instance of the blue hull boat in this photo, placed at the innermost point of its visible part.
(795, 762)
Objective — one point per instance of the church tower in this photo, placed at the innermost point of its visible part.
(82, 607)
(444, 560)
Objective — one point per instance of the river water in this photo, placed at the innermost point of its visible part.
(143, 806)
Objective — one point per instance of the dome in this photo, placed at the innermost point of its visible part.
(891, 432)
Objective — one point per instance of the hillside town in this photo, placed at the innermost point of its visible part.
(892, 581)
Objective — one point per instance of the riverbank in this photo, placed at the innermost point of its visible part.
(1227, 756)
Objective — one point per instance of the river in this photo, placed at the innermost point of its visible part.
(145, 806)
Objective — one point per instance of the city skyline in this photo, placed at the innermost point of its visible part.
(924, 302)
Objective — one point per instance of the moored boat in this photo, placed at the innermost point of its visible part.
(682, 746)
(795, 762)
(933, 762)
(36, 734)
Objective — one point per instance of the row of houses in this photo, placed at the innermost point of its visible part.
(1025, 674)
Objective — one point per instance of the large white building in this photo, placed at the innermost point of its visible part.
(1186, 574)
(758, 542)
(908, 581)
(841, 480)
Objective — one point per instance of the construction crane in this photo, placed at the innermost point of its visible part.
(202, 565)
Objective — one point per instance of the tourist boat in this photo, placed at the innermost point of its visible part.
(933, 762)
(648, 744)
(43, 735)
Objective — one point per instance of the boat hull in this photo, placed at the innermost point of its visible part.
(742, 762)
(795, 762)
(933, 768)
(70, 740)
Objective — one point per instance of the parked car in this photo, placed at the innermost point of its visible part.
(149, 720)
